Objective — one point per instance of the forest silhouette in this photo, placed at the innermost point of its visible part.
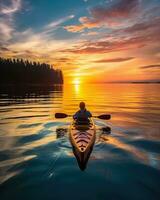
(19, 71)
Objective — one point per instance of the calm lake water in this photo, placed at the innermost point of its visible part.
(37, 163)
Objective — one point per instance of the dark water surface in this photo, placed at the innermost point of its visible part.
(36, 163)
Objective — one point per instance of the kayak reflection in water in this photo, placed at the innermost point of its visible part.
(82, 116)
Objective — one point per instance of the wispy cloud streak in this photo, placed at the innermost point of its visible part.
(150, 66)
(114, 60)
(7, 24)
(13, 7)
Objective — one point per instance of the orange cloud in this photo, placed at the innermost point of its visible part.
(107, 46)
(74, 28)
(87, 23)
(150, 66)
(114, 60)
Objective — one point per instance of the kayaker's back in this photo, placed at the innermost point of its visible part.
(83, 114)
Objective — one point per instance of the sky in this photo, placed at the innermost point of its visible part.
(90, 40)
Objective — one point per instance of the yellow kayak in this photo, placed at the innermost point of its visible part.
(82, 138)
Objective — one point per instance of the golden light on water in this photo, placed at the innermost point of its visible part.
(77, 88)
(94, 96)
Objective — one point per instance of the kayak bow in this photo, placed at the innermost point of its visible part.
(82, 138)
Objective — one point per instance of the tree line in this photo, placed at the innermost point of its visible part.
(19, 71)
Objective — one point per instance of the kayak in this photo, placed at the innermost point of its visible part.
(82, 138)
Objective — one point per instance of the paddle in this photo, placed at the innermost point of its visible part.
(106, 129)
(104, 116)
(63, 115)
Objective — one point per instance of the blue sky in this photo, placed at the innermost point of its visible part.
(88, 39)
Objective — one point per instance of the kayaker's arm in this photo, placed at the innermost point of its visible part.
(89, 114)
(75, 115)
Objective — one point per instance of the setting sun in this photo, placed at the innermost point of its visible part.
(76, 81)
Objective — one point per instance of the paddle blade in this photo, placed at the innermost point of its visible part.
(106, 117)
(61, 115)
(106, 129)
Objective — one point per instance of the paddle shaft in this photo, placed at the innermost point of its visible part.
(63, 115)
(72, 116)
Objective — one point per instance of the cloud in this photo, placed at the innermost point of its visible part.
(3, 48)
(123, 9)
(107, 46)
(74, 28)
(14, 6)
(110, 16)
(150, 66)
(88, 23)
(148, 25)
(7, 23)
(85, 23)
(58, 22)
(91, 33)
(114, 60)
(6, 29)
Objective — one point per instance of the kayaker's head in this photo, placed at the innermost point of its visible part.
(82, 105)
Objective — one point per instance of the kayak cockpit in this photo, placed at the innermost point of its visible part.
(82, 125)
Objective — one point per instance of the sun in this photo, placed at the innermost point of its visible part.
(76, 81)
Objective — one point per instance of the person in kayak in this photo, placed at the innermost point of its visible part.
(82, 116)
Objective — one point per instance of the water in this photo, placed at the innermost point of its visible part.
(36, 162)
